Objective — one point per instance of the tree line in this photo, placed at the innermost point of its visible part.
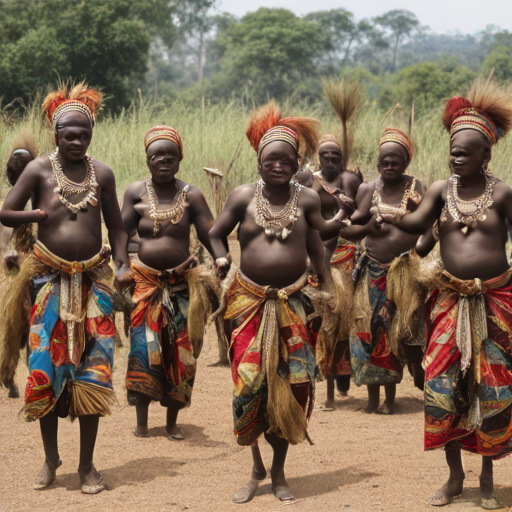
(188, 50)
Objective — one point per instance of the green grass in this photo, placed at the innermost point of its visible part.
(212, 134)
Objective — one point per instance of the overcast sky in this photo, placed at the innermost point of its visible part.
(442, 16)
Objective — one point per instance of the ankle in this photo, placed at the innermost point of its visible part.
(85, 469)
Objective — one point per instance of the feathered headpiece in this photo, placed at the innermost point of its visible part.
(396, 135)
(79, 98)
(266, 125)
(164, 132)
(487, 109)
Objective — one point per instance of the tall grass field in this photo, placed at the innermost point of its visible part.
(214, 136)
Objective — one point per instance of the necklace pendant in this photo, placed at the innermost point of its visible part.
(269, 232)
(285, 233)
(465, 230)
(93, 200)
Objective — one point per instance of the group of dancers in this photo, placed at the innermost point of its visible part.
(331, 283)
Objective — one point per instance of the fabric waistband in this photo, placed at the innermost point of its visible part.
(189, 263)
(270, 292)
(472, 286)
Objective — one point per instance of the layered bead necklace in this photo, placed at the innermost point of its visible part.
(173, 214)
(65, 187)
(468, 212)
(384, 209)
(278, 224)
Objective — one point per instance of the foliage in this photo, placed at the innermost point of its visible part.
(499, 60)
(105, 42)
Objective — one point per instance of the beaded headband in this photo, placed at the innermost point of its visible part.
(395, 135)
(164, 133)
(279, 133)
(473, 119)
(329, 138)
(72, 106)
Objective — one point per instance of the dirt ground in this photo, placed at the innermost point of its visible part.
(359, 463)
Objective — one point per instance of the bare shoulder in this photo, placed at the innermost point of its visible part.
(40, 164)
(193, 192)
(243, 194)
(438, 187)
(104, 174)
(502, 190)
(352, 179)
(309, 198)
(135, 190)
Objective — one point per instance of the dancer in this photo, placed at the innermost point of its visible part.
(71, 325)
(15, 245)
(336, 187)
(172, 293)
(468, 362)
(272, 345)
(385, 261)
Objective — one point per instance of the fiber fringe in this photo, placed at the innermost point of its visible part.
(15, 315)
(86, 399)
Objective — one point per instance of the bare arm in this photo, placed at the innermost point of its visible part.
(327, 228)
(364, 203)
(427, 212)
(232, 214)
(425, 243)
(316, 253)
(129, 214)
(201, 217)
(117, 235)
(12, 213)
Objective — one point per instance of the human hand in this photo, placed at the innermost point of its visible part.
(124, 277)
(222, 266)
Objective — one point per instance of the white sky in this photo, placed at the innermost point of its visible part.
(468, 16)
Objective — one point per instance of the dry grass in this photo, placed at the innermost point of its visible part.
(214, 137)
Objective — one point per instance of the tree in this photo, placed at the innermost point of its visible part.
(339, 27)
(267, 54)
(105, 42)
(399, 24)
(499, 60)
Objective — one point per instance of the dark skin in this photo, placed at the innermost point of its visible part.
(383, 242)
(334, 176)
(170, 247)
(73, 237)
(271, 261)
(478, 254)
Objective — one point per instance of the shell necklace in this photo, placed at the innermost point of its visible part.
(468, 212)
(65, 187)
(174, 213)
(278, 224)
(387, 209)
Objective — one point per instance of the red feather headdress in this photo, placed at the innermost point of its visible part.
(266, 125)
(79, 98)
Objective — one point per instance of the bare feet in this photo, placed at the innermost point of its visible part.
(448, 492)
(343, 394)
(491, 503)
(330, 405)
(175, 433)
(246, 493)
(489, 500)
(386, 409)
(46, 476)
(280, 488)
(141, 431)
(92, 482)
(371, 408)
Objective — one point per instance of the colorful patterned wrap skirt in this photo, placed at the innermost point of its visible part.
(272, 352)
(373, 361)
(71, 342)
(161, 363)
(468, 365)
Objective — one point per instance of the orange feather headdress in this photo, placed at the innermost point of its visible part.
(79, 98)
(266, 125)
(487, 109)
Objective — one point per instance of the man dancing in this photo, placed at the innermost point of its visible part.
(336, 187)
(468, 362)
(272, 347)
(72, 331)
(375, 353)
(172, 294)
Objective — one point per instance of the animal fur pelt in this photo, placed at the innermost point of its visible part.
(15, 315)
(204, 295)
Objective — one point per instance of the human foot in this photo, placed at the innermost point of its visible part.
(491, 503)
(371, 408)
(386, 408)
(141, 431)
(92, 482)
(282, 493)
(489, 500)
(46, 475)
(448, 492)
(246, 493)
(330, 404)
(175, 433)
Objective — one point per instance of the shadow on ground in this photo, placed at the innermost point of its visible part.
(194, 436)
(134, 472)
(472, 495)
(322, 483)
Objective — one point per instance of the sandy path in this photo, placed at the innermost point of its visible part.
(360, 462)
